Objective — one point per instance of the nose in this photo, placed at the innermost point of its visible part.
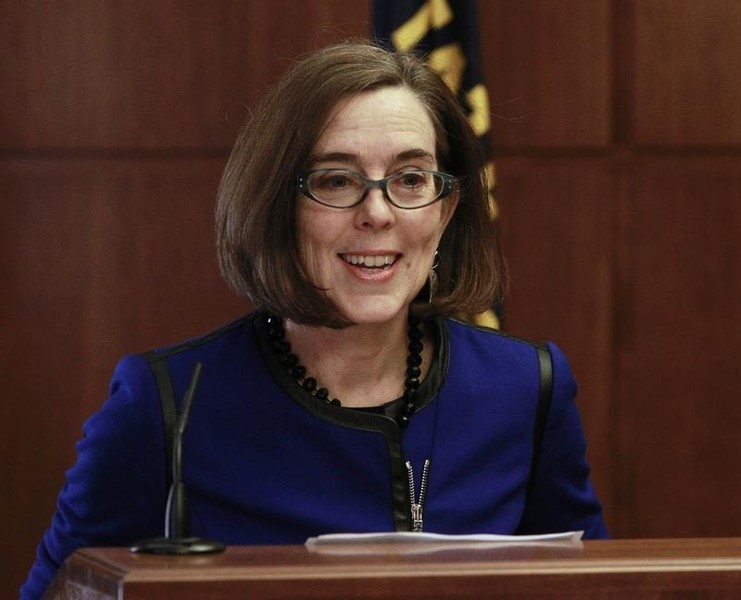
(374, 212)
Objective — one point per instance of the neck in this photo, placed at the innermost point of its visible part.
(362, 365)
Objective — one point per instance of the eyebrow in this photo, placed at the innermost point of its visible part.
(348, 157)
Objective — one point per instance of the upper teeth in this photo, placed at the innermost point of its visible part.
(369, 261)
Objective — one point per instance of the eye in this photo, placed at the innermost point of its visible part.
(335, 182)
(411, 179)
(331, 181)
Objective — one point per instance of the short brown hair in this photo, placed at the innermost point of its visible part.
(256, 213)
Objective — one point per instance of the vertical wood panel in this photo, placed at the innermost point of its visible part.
(687, 64)
(680, 349)
(547, 65)
(42, 368)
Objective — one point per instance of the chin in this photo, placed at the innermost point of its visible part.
(361, 313)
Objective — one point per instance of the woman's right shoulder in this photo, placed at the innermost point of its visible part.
(205, 342)
(138, 376)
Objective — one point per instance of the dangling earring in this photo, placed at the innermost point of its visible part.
(432, 277)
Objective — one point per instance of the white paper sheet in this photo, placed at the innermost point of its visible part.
(423, 537)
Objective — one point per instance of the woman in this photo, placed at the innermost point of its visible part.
(354, 215)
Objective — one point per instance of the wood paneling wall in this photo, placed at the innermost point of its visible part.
(617, 131)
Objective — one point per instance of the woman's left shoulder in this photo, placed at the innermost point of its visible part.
(469, 333)
(502, 348)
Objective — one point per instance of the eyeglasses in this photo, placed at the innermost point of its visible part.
(340, 188)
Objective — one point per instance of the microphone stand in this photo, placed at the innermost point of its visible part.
(177, 539)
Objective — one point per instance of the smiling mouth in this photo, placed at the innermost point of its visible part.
(379, 261)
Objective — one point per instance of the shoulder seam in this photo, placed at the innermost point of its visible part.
(495, 332)
(152, 356)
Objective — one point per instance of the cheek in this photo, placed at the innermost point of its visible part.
(432, 231)
(425, 236)
(317, 230)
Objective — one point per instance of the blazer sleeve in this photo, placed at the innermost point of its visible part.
(563, 498)
(115, 492)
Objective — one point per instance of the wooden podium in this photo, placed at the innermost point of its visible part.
(697, 568)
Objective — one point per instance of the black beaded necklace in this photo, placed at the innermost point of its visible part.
(295, 369)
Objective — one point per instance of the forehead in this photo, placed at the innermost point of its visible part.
(385, 120)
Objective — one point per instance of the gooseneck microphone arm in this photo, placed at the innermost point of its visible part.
(177, 525)
(177, 538)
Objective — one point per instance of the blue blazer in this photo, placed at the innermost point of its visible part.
(267, 463)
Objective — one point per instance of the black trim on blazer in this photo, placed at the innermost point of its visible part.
(545, 364)
(161, 374)
(157, 361)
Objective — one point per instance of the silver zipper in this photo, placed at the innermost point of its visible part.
(417, 506)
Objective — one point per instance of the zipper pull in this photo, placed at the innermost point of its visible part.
(417, 507)
(416, 517)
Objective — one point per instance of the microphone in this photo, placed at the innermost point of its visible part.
(177, 539)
